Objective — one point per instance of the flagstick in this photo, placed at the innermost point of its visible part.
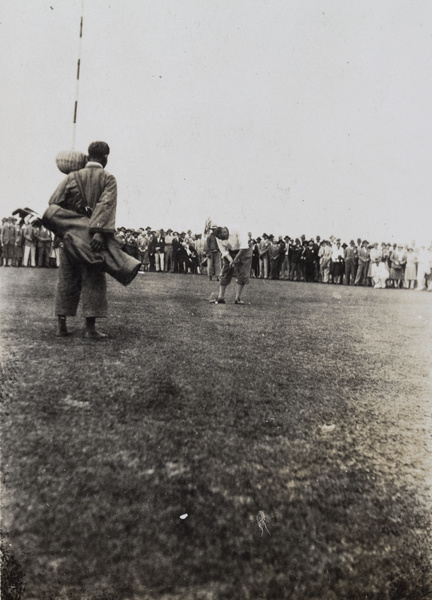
(78, 76)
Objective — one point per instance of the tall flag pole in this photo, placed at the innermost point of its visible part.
(78, 76)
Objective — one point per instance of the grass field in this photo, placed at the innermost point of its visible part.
(311, 404)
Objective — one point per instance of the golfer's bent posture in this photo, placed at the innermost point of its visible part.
(83, 280)
(236, 260)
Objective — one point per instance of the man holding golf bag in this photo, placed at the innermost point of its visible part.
(82, 213)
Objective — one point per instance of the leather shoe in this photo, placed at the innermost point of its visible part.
(62, 333)
(95, 335)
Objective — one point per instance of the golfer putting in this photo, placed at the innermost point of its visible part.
(236, 261)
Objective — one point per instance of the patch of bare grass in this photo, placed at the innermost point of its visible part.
(309, 407)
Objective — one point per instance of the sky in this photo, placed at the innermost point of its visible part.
(280, 116)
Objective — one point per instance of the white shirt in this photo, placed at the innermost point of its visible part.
(237, 240)
(337, 252)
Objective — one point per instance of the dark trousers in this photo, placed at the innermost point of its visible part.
(274, 268)
(77, 281)
(169, 263)
(294, 273)
(43, 254)
(310, 270)
(361, 274)
(350, 271)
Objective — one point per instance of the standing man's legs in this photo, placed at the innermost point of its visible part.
(26, 256)
(40, 255)
(325, 272)
(200, 269)
(225, 279)
(310, 271)
(94, 293)
(316, 270)
(286, 267)
(349, 272)
(214, 265)
(241, 270)
(15, 256)
(274, 268)
(210, 266)
(421, 276)
(360, 274)
(74, 281)
(266, 262)
(168, 259)
(152, 262)
(33, 256)
(68, 292)
(8, 254)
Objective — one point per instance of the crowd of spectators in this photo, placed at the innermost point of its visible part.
(361, 263)
(25, 244)
(285, 258)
